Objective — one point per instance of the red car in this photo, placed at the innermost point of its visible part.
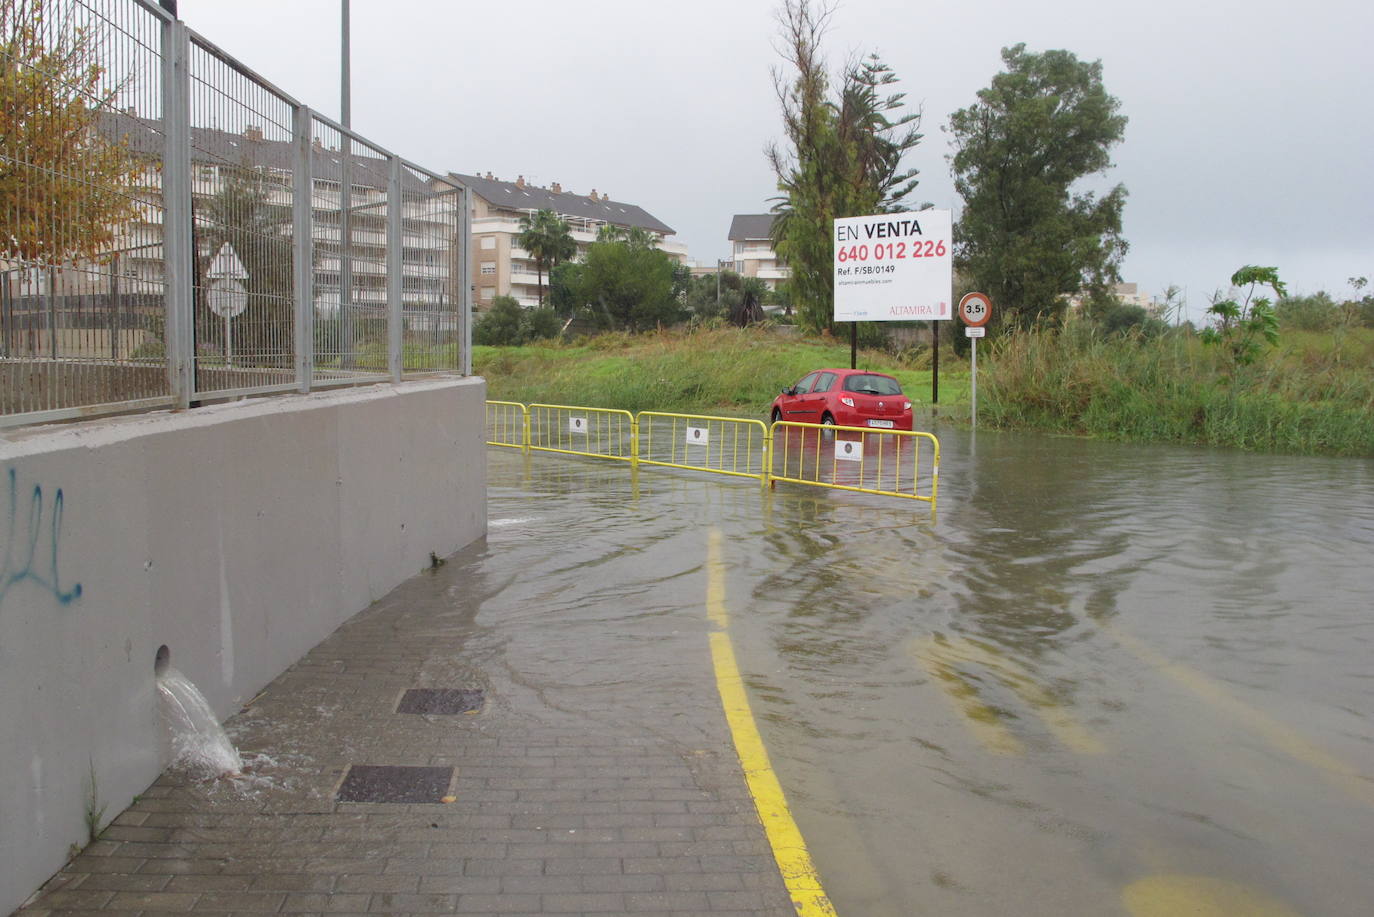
(847, 397)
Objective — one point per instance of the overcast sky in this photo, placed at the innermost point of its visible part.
(1250, 140)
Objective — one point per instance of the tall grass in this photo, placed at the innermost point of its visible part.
(1313, 394)
(728, 371)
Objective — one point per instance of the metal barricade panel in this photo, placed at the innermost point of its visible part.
(895, 463)
(507, 424)
(598, 432)
(723, 445)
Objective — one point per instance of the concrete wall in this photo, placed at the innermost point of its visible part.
(238, 535)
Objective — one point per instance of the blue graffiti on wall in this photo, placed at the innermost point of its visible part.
(24, 561)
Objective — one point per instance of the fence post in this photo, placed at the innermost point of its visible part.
(395, 256)
(303, 248)
(463, 269)
(178, 254)
(766, 478)
(346, 329)
(769, 442)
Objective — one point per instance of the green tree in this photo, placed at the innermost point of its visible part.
(633, 236)
(256, 223)
(1026, 236)
(629, 287)
(1360, 305)
(65, 188)
(749, 309)
(1318, 312)
(711, 296)
(564, 282)
(539, 324)
(842, 157)
(547, 238)
(1243, 326)
(499, 325)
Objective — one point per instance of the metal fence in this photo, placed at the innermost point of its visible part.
(885, 462)
(892, 463)
(174, 228)
(726, 445)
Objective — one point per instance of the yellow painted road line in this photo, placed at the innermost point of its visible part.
(940, 658)
(1198, 896)
(1280, 735)
(789, 848)
(715, 582)
(984, 722)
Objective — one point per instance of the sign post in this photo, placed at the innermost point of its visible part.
(974, 309)
(893, 267)
(227, 296)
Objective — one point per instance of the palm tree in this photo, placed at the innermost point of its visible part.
(547, 238)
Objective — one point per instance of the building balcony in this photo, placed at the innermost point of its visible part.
(529, 279)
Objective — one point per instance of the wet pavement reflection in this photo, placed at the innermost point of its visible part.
(1099, 679)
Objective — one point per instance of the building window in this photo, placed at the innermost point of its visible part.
(488, 242)
(488, 267)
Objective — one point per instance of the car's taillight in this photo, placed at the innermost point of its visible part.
(847, 400)
(906, 405)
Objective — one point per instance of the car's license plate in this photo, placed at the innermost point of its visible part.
(880, 423)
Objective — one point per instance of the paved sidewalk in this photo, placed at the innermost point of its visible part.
(597, 778)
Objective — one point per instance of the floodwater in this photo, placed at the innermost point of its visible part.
(1098, 679)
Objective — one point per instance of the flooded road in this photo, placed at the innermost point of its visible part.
(1099, 679)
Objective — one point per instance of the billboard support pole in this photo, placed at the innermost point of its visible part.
(853, 345)
(935, 369)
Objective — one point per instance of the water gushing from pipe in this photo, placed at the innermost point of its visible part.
(198, 740)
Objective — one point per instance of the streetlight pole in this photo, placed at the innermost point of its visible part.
(345, 76)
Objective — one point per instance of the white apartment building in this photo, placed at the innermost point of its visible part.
(501, 268)
(1128, 293)
(428, 224)
(751, 239)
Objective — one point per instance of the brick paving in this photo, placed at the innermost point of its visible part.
(574, 791)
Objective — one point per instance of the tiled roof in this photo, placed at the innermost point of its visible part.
(746, 226)
(211, 146)
(511, 196)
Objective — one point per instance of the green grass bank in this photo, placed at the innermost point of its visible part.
(1314, 394)
(727, 371)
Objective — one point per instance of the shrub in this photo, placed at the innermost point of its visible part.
(1308, 313)
(539, 324)
(499, 326)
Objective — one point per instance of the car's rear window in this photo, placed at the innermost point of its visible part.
(872, 385)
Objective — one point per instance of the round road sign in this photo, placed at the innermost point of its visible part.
(975, 309)
(226, 297)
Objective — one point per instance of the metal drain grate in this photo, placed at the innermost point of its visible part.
(387, 783)
(440, 701)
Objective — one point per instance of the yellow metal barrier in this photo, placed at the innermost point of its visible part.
(724, 445)
(508, 424)
(600, 432)
(886, 462)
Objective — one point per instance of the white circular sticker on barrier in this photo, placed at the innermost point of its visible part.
(698, 436)
(577, 425)
(849, 450)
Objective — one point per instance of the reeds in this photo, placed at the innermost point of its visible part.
(1313, 394)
